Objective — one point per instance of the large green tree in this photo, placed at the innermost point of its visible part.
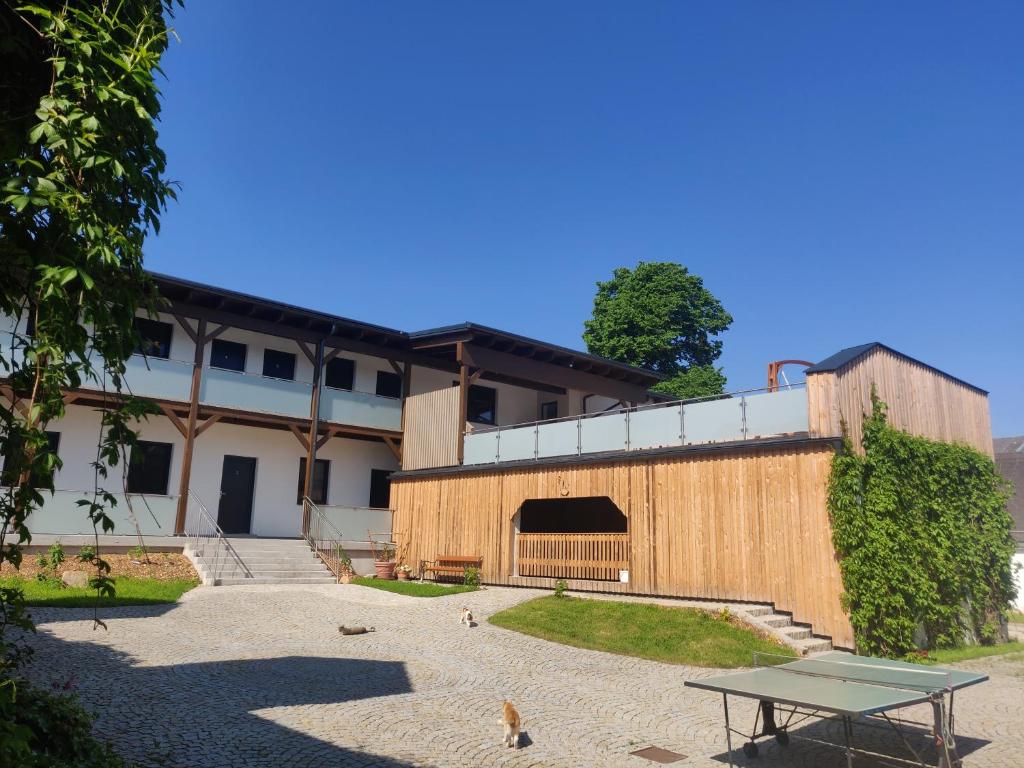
(660, 316)
(81, 185)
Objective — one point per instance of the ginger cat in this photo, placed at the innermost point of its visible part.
(510, 719)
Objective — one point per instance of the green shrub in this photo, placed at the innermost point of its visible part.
(560, 586)
(923, 534)
(471, 577)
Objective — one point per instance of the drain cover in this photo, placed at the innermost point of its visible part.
(659, 755)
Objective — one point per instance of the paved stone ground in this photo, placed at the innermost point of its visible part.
(260, 677)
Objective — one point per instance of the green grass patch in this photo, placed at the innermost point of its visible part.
(1017, 617)
(951, 655)
(674, 635)
(413, 588)
(47, 594)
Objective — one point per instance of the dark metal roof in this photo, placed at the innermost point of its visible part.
(526, 347)
(848, 355)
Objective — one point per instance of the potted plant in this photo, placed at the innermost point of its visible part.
(384, 560)
(345, 571)
(403, 571)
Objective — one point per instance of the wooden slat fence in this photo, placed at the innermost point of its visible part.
(573, 555)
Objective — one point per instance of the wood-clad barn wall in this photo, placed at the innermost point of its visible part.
(921, 400)
(747, 525)
(431, 432)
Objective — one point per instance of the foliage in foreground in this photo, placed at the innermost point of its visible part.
(923, 534)
(660, 316)
(49, 593)
(414, 588)
(673, 635)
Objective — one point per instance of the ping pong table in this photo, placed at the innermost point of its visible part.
(847, 688)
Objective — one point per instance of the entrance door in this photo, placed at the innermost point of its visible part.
(237, 484)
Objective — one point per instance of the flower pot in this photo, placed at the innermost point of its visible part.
(403, 575)
(385, 570)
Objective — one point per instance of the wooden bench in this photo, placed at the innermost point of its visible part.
(449, 565)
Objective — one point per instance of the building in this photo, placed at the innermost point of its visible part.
(544, 462)
(1010, 460)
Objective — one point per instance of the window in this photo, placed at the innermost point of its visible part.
(318, 486)
(229, 355)
(389, 384)
(549, 410)
(278, 365)
(340, 373)
(150, 468)
(380, 488)
(9, 476)
(156, 337)
(481, 405)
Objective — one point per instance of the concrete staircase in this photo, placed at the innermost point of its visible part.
(270, 561)
(782, 627)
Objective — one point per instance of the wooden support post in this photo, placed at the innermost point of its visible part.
(314, 427)
(190, 434)
(395, 449)
(463, 400)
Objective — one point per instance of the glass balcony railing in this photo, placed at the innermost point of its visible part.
(357, 523)
(252, 392)
(342, 406)
(61, 514)
(743, 416)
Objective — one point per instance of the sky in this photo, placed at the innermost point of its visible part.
(837, 173)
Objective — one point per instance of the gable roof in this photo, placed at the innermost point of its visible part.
(846, 356)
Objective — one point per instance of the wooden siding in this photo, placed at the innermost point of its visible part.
(573, 555)
(921, 400)
(750, 524)
(432, 433)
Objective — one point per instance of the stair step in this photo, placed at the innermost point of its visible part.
(777, 620)
(758, 610)
(797, 633)
(228, 582)
(810, 645)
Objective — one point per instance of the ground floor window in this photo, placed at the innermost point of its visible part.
(318, 484)
(149, 470)
(10, 473)
(380, 488)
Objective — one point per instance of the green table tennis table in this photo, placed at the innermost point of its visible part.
(851, 689)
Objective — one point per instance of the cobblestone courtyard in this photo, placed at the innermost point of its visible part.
(260, 677)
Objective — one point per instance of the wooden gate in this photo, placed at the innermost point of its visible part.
(598, 556)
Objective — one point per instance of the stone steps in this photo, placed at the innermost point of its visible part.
(266, 561)
(781, 626)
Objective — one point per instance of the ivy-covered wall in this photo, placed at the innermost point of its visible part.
(923, 536)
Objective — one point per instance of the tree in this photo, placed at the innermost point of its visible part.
(661, 317)
(81, 185)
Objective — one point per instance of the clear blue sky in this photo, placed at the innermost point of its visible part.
(837, 173)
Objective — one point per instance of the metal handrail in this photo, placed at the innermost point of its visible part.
(209, 543)
(324, 539)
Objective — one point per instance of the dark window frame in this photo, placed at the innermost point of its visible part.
(375, 473)
(156, 348)
(136, 468)
(469, 400)
(313, 495)
(334, 363)
(53, 446)
(389, 376)
(277, 352)
(543, 406)
(224, 343)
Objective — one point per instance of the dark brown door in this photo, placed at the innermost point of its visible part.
(237, 485)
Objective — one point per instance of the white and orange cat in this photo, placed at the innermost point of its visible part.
(511, 722)
(466, 617)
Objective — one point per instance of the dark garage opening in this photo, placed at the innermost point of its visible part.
(590, 514)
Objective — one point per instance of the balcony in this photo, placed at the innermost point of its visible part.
(357, 523)
(172, 380)
(742, 416)
(61, 514)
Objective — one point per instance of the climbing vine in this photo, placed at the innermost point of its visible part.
(923, 534)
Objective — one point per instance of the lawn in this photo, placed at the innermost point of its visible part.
(413, 588)
(973, 652)
(130, 591)
(673, 635)
(1017, 617)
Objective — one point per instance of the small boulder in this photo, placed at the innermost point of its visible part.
(75, 579)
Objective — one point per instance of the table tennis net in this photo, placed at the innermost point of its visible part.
(877, 673)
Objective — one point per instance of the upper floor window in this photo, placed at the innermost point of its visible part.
(340, 373)
(482, 405)
(155, 337)
(278, 365)
(549, 410)
(389, 384)
(229, 355)
(150, 468)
